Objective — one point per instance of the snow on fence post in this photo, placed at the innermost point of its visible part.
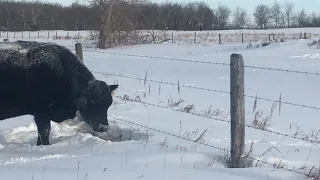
(79, 52)
(237, 110)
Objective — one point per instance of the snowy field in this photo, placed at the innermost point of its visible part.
(158, 152)
(198, 37)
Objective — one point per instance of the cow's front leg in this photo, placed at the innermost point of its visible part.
(44, 128)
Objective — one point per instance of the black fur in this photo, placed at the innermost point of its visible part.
(48, 81)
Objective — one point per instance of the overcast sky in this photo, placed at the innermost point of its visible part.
(309, 5)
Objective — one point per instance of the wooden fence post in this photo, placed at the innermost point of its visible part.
(242, 39)
(219, 38)
(269, 37)
(305, 35)
(195, 37)
(172, 37)
(5, 40)
(237, 110)
(79, 52)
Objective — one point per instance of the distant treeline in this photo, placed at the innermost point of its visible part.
(144, 15)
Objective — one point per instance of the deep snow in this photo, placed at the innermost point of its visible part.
(77, 153)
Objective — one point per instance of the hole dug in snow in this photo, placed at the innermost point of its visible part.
(71, 132)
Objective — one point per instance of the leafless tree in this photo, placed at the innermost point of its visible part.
(276, 12)
(262, 16)
(106, 13)
(288, 8)
(240, 17)
(302, 18)
(223, 14)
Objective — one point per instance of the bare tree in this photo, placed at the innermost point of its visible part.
(288, 8)
(276, 12)
(262, 15)
(223, 14)
(302, 18)
(282, 22)
(240, 17)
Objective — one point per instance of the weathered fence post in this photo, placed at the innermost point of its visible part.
(79, 52)
(305, 35)
(242, 40)
(219, 38)
(269, 37)
(237, 110)
(172, 37)
(195, 37)
(5, 40)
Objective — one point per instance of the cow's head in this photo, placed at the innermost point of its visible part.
(94, 102)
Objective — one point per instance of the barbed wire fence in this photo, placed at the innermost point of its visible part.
(164, 36)
(237, 158)
(237, 96)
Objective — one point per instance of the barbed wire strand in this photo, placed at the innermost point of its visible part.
(216, 119)
(162, 82)
(162, 58)
(206, 62)
(210, 90)
(170, 134)
(205, 144)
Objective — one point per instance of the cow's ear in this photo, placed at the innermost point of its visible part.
(113, 87)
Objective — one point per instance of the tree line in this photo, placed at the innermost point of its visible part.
(145, 15)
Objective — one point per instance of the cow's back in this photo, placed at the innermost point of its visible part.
(14, 93)
(67, 79)
(42, 77)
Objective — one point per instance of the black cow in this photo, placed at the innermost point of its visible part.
(48, 81)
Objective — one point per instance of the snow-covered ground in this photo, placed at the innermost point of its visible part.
(136, 152)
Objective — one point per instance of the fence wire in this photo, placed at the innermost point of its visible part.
(206, 62)
(215, 119)
(205, 144)
(207, 89)
(157, 57)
